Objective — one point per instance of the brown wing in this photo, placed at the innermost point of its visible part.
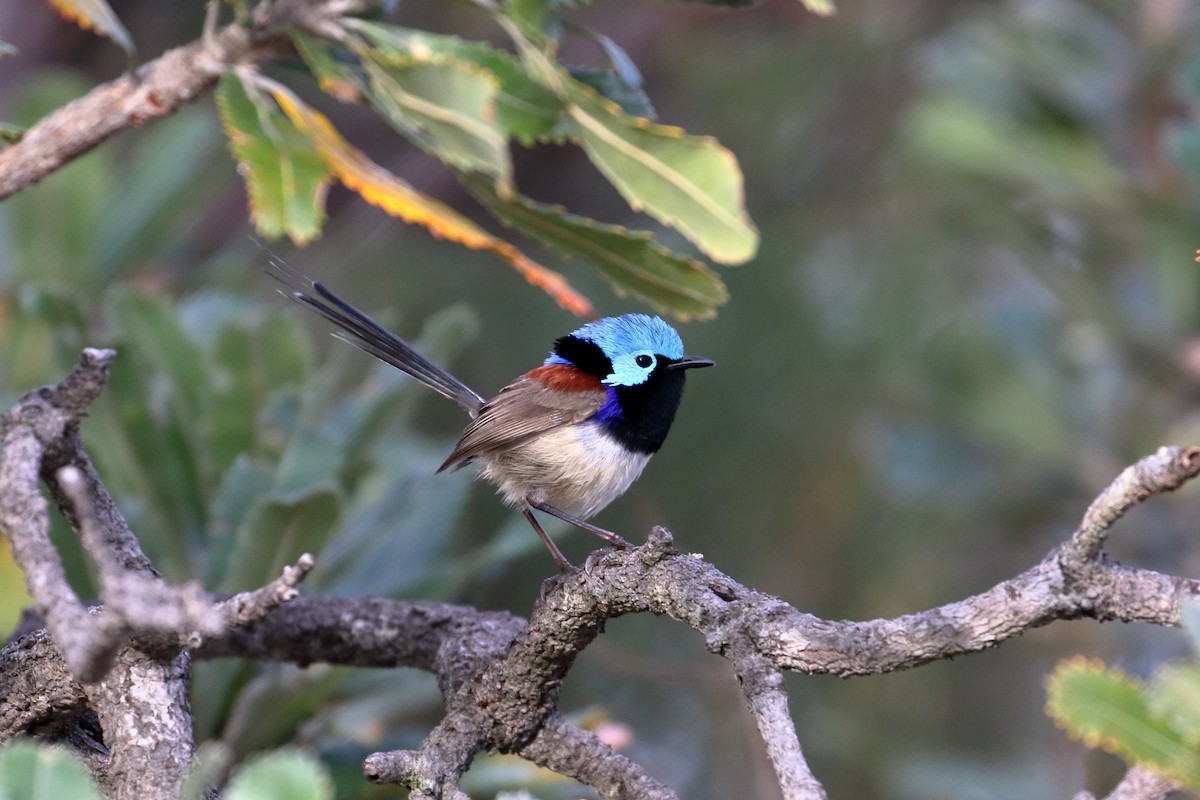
(524, 409)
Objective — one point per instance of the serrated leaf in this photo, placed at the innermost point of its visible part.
(276, 532)
(621, 63)
(1108, 710)
(1175, 696)
(525, 109)
(381, 188)
(96, 15)
(32, 771)
(632, 100)
(691, 183)
(444, 104)
(286, 177)
(631, 261)
(338, 71)
(287, 774)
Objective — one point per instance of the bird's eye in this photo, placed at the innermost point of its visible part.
(644, 361)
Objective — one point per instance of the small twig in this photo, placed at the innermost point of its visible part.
(766, 695)
(579, 754)
(1165, 471)
(135, 603)
(246, 608)
(157, 89)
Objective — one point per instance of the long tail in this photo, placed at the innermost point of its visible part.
(364, 333)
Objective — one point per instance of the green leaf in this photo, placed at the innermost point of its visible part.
(631, 261)
(154, 328)
(689, 182)
(161, 390)
(31, 771)
(525, 109)
(1108, 710)
(446, 105)
(98, 16)
(286, 177)
(253, 357)
(271, 706)
(11, 133)
(211, 765)
(632, 100)
(383, 189)
(287, 774)
(1175, 696)
(277, 531)
(243, 484)
(338, 71)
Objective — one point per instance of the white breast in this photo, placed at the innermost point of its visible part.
(577, 469)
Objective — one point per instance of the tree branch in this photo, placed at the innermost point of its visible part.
(500, 675)
(129, 658)
(157, 89)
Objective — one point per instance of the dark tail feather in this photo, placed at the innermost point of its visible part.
(364, 333)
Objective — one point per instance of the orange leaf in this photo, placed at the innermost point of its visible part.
(383, 189)
(95, 15)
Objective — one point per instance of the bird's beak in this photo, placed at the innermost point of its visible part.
(691, 362)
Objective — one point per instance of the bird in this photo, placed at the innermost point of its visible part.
(565, 438)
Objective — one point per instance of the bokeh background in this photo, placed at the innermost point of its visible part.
(974, 303)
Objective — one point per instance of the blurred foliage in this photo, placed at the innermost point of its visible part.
(462, 102)
(221, 433)
(1155, 724)
(973, 304)
(32, 771)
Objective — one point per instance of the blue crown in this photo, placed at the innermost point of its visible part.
(631, 333)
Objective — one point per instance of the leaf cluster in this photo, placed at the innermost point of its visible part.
(465, 102)
(1154, 724)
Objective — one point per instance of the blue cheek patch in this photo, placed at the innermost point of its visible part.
(626, 371)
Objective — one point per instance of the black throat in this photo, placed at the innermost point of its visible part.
(641, 415)
(645, 411)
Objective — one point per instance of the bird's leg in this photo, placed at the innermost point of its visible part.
(563, 564)
(608, 536)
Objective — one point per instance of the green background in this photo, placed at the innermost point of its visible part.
(974, 302)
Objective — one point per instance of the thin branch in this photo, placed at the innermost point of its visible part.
(500, 675)
(40, 418)
(1165, 471)
(135, 602)
(157, 89)
(247, 607)
(128, 659)
(579, 754)
(766, 695)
